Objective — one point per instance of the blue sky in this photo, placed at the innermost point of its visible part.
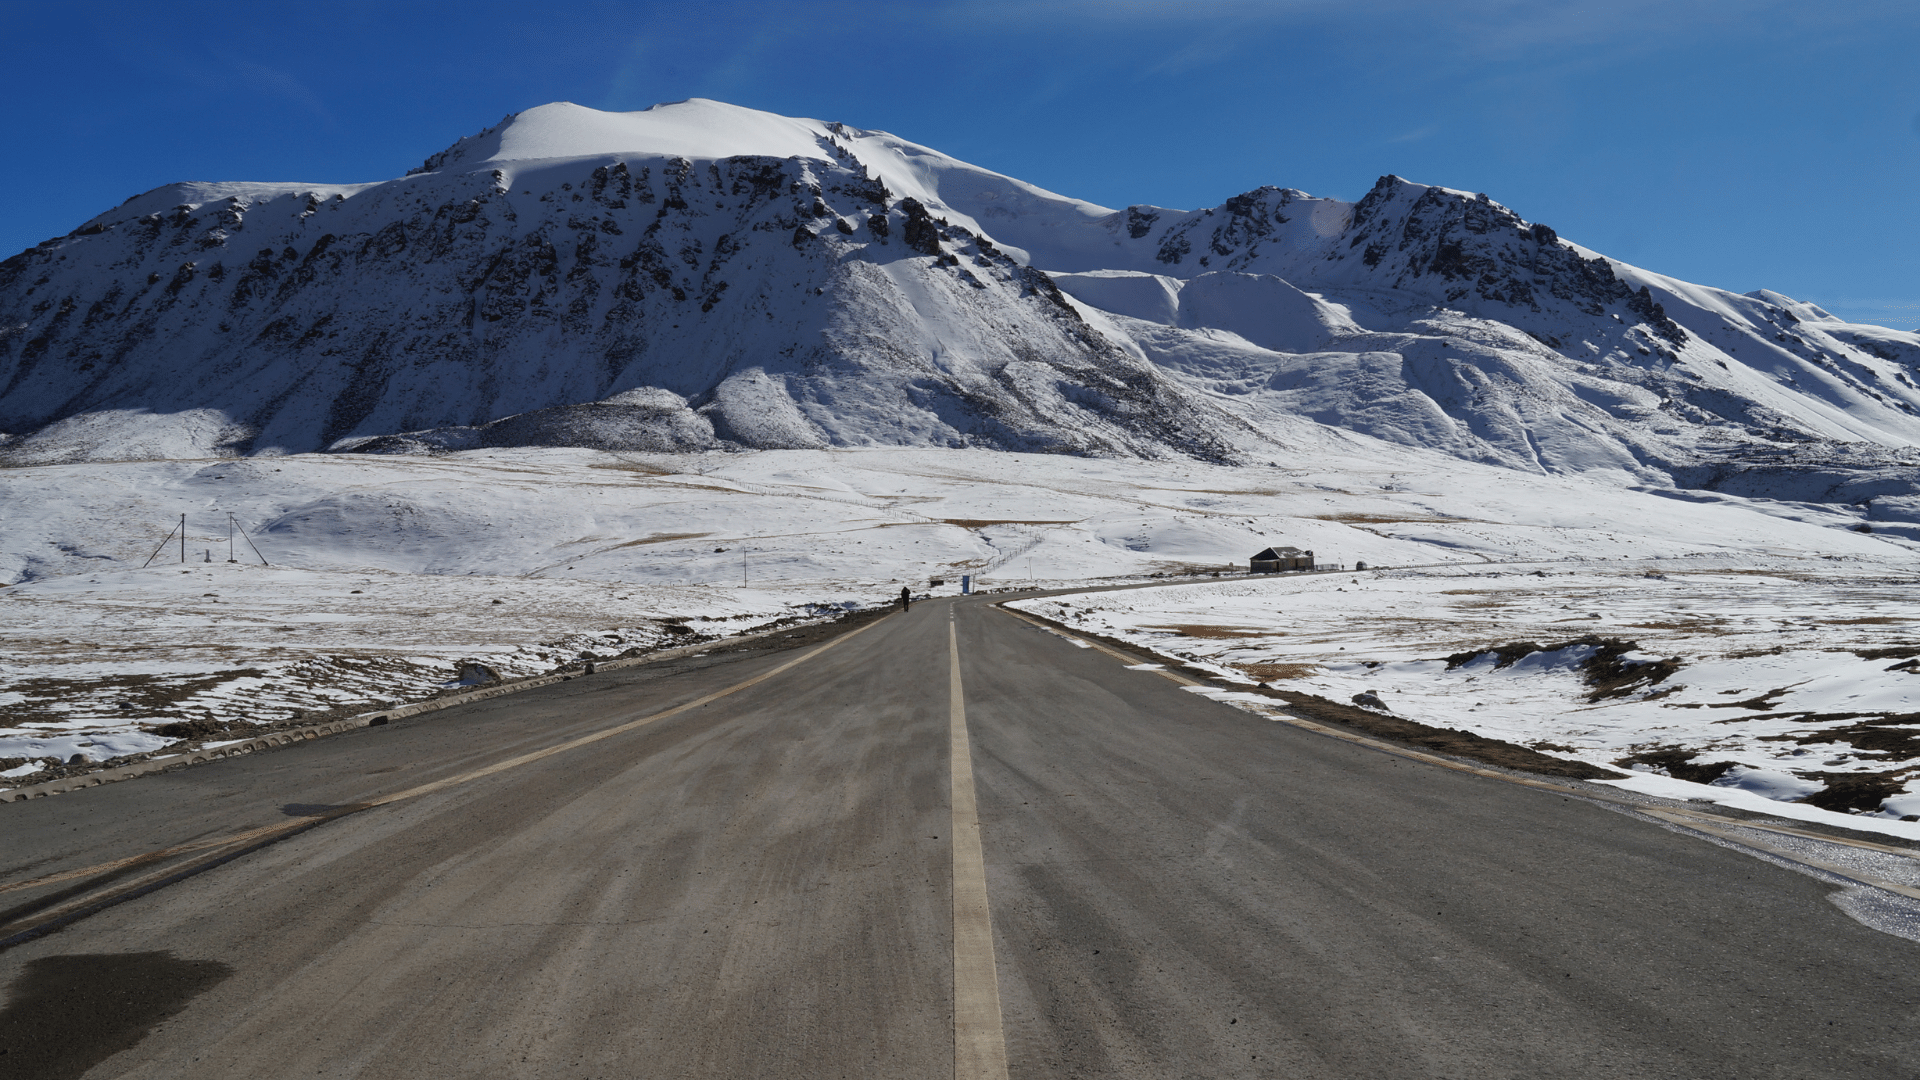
(1755, 144)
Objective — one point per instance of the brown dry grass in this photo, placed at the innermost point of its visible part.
(659, 538)
(1214, 633)
(982, 523)
(1871, 620)
(1267, 673)
(1389, 519)
(151, 694)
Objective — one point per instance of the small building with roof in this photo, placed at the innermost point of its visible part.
(1275, 560)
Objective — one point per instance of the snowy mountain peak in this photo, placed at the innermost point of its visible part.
(706, 131)
(697, 129)
(700, 274)
(1801, 311)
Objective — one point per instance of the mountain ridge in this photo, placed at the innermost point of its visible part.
(569, 277)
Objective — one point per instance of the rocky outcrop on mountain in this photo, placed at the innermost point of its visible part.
(660, 303)
(701, 276)
(1485, 335)
(1463, 251)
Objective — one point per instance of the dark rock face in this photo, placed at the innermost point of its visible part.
(469, 309)
(1462, 250)
(920, 232)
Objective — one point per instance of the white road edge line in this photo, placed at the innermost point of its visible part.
(979, 1043)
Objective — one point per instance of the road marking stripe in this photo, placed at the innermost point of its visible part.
(979, 1044)
(1805, 834)
(620, 729)
(260, 837)
(351, 723)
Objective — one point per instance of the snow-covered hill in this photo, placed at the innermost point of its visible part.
(1440, 318)
(713, 275)
(699, 275)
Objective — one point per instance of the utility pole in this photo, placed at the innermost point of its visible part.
(230, 538)
(183, 539)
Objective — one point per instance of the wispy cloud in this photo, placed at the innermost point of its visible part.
(1471, 29)
(706, 52)
(284, 84)
(1189, 57)
(1895, 314)
(1890, 305)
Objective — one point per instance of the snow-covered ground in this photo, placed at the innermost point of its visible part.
(388, 573)
(1753, 674)
(92, 663)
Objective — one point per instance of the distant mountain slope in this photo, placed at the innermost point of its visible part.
(1443, 319)
(790, 298)
(701, 275)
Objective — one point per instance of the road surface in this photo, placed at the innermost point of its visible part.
(763, 863)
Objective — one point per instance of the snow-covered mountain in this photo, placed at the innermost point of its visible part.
(1441, 318)
(689, 276)
(701, 275)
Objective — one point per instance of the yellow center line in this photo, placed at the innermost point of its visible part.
(979, 1043)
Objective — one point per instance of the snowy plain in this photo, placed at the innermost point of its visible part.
(390, 573)
(1786, 676)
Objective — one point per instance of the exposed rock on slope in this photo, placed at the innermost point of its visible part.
(747, 300)
(1485, 335)
(699, 275)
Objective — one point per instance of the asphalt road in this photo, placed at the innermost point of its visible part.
(768, 883)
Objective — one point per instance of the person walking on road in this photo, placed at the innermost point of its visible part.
(906, 598)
